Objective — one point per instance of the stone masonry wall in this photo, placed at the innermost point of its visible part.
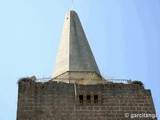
(81, 77)
(67, 101)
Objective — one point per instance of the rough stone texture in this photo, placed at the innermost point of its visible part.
(74, 53)
(63, 101)
(78, 91)
(80, 77)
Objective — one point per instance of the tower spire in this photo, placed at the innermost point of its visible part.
(74, 53)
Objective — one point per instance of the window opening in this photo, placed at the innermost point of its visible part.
(95, 98)
(88, 98)
(81, 99)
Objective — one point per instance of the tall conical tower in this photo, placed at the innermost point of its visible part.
(39, 99)
(75, 59)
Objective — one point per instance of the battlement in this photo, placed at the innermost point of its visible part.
(70, 101)
(77, 90)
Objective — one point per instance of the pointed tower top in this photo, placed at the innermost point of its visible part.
(74, 53)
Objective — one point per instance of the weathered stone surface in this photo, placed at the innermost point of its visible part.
(81, 77)
(74, 53)
(61, 101)
(78, 91)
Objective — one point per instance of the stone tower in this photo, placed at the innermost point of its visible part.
(77, 90)
(75, 61)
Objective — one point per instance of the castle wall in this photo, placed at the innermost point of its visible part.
(81, 77)
(62, 101)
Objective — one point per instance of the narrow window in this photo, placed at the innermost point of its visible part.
(81, 99)
(95, 98)
(88, 98)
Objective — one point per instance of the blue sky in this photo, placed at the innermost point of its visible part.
(124, 36)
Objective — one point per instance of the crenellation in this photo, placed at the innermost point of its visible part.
(77, 90)
(50, 99)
